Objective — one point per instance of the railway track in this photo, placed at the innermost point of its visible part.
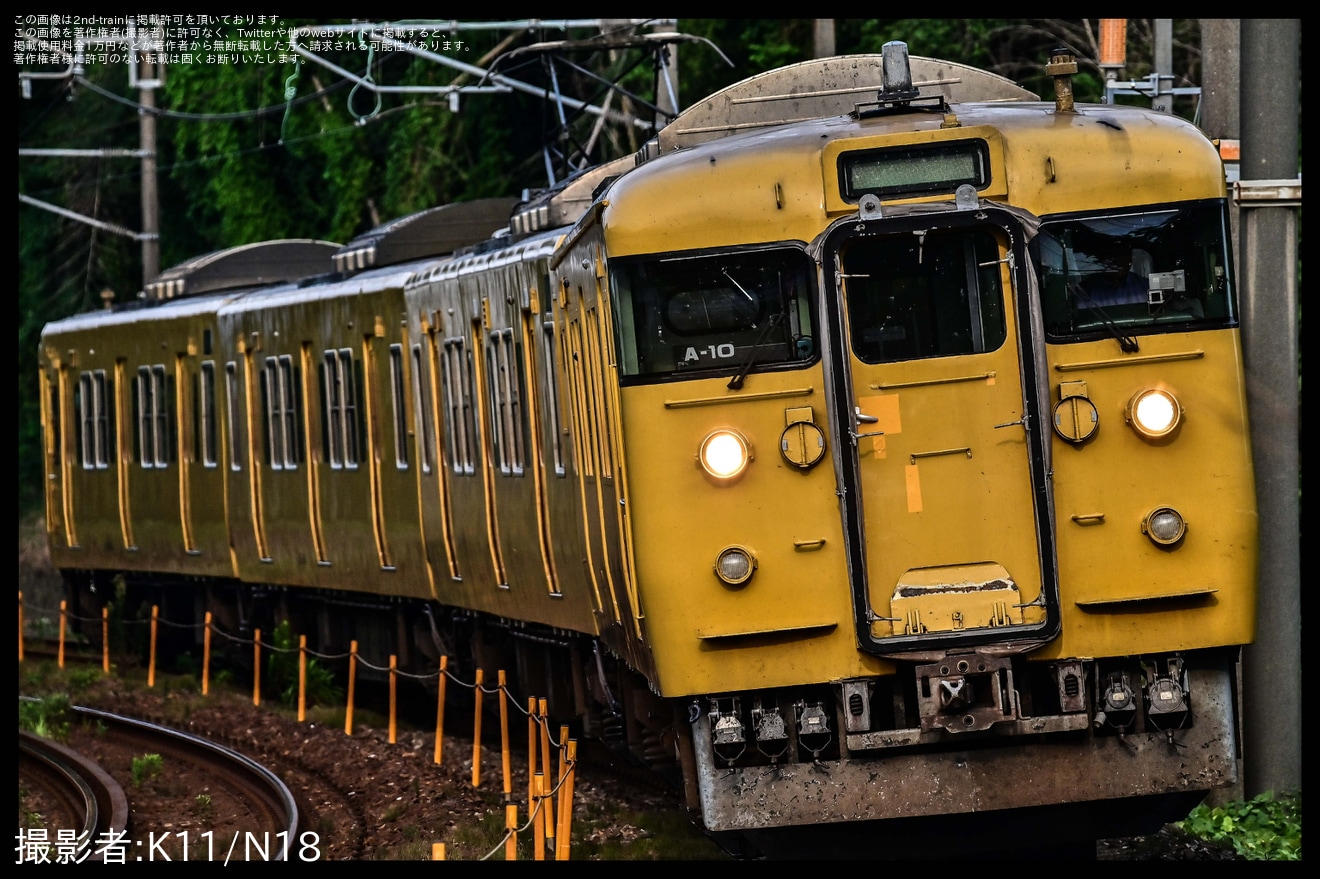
(70, 792)
(206, 802)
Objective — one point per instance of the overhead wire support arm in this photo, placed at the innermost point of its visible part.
(502, 84)
(99, 224)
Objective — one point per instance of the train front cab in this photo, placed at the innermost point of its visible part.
(998, 649)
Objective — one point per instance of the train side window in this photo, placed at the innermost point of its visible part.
(206, 412)
(82, 404)
(93, 406)
(504, 379)
(144, 425)
(270, 397)
(456, 366)
(153, 417)
(935, 295)
(517, 395)
(280, 390)
(340, 409)
(496, 394)
(232, 398)
(400, 408)
(166, 439)
(332, 437)
(422, 403)
(552, 374)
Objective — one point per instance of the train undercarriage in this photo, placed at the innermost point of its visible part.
(1061, 751)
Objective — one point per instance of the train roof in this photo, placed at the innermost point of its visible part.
(368, 281)
(247, 265)
(432, 232)
(537, 244)
(825, 87)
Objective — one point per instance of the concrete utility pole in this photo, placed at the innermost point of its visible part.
(1269, 194)
(1163, 63)
(1221, 94)
(150, 199)
(822, 42)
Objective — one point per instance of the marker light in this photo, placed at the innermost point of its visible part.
(724, 454)
(1154, 413)
(1164, 525)
(734, 565)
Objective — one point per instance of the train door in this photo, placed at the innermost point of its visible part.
(58, 507)
(123, 458)
(943, 461)
(188, 409)
(372, 403)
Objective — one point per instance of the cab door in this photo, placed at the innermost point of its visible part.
(944, 471)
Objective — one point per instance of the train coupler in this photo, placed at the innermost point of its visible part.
(966, 693)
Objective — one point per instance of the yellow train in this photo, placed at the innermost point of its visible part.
(870, 451)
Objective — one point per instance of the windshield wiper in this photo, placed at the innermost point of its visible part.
(750, 297)
(1127, 343)
(736, 382)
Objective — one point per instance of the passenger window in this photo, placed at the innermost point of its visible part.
(95, 436)
(400, 407)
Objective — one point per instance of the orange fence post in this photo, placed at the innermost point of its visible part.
(256, 666)
(544, 720)
(302, 678)
(511, 825)
(566, 805)
(206, 655)
(440, 710)
(394, 699)
(437, 851)
(105, 640)
(151, 664)
(559, 801)
(504, 737)
(352, 681)
(20, 625)
(531, 753)
(538, 825)
(63, 608)
(476, 734)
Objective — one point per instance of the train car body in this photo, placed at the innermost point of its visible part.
(872, 448)
(133, 419)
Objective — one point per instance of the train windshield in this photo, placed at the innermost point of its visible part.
(689, 316)
(1135, 272)
(934, 295)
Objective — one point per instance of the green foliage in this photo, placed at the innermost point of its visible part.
(146, 767)
(47, 716)
(203, 808)
(1261, 829)
(83, 679)
(282, 672)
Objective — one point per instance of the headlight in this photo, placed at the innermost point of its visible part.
(1164, 525)
(1154, 413)
(734, 565)
(724, 454)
